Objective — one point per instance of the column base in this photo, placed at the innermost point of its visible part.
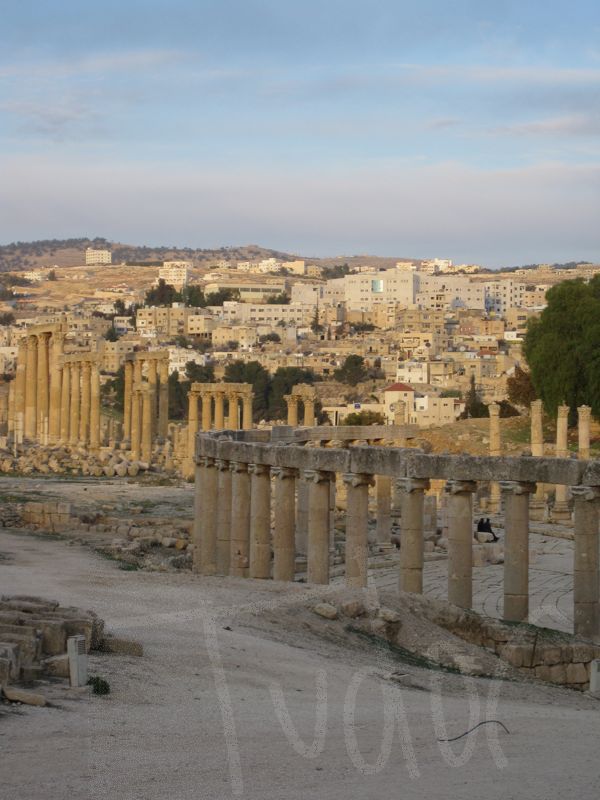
(561, 513)
(537, 510)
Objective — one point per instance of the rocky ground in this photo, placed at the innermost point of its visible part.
(244, 691)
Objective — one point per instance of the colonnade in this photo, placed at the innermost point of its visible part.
(301, 393)
(145, 402)
(217, 406)
(239, 482)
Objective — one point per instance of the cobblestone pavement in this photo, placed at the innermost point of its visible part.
(550, 583)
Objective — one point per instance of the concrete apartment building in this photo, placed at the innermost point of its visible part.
(365, 289)
(501, 295)
(175, 273)
(95, 257)
(249, 291)
(267, 313)
(443, 292)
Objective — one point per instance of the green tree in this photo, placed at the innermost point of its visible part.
(7, 318)
(364, 418)
(352, 371)
(221, 296)
(269, 337)
(252, 372)
(163, 294)
(562, 348)
(52, 275)
(282, 382)
(315, 325)
(112, 391)
(199, 373)
(282, 299)
(111, 335)
(193, 296)
(520, 388)
(474, 405)
(178, 392)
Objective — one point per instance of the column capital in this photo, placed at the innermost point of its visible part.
(259, 469)
(356, 479)
(460, 487)
(584, 412)
(517, 487)
(413, 484)
(318, 476)
(207, 462)
(222, 465)
(284, 473)
(589, 493)
(494, 410)
(238, 466)
(563, 412)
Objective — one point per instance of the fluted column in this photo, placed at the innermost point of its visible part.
(204, 534)
(206, 410)
(192, 428)
(247, 412)
(411, 535)
(561, 512)
(537, 504)
(75, 404)
(43, 386)
(240, 520)
(146, 433)
(84, 418)
(95, 408)
(223, 517)
(292, 409)
(31, 389)
(57, 343)
(163, 401)
(153, 386)
(309, 413)
(260, 521)
(136, 422)
(284, 533)
(232, 422)
(586, 581)
(357, 523)
(383, 486)
(516, 549)
(460, 542)
(584, 414)
(127, 401)
(20, 389)
(318, 525)
(495, 450)
(65, 403)
(219, 416)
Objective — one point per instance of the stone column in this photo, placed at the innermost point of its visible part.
(84, 418)
(20, 389)
(318, 525)
(10, 411)
(260, 521)
(516, 549)
(43, 386)
(400, 413)
(219, 417)
(561, 511)
(247, 412)
(4, 409)
(357, 522)
(127, 402)
(223, 517)
(284, 533)
(31, 389)
(204, 533)
(95, 409)
(495, 450)
(586, 583)
(292, 409)
(232, 421)
(537, 504)
(584, 414)
(65, 403)
(136, 422)
(302, 501)
(148, 405)
(55, 387)
(383, 490)
(240, 520)
(192, 428)
(163, 401)
(206, 410)
(309, 413)
(460, 542)
(75, 404)
(411, 535)
(153, 386)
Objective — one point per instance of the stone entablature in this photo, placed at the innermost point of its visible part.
(145, 402)
(314, 471)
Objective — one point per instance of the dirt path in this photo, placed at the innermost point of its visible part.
(201, 715)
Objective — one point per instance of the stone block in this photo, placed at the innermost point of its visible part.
(5, 671)
(577, 673)
(121, 646)
(551, 656)
(353, 609)
(326, 610)
(54, 635)
(15, 695)
(519, 655)
(388, 615)
(56, 666)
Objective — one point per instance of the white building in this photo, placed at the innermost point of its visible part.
(502, 295)
(175, 273)
(365, 289)
(93, 257)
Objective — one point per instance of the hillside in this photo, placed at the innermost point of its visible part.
(70, 253)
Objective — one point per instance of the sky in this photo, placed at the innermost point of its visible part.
(467, 130)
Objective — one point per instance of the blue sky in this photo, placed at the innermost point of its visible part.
(468, 130)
